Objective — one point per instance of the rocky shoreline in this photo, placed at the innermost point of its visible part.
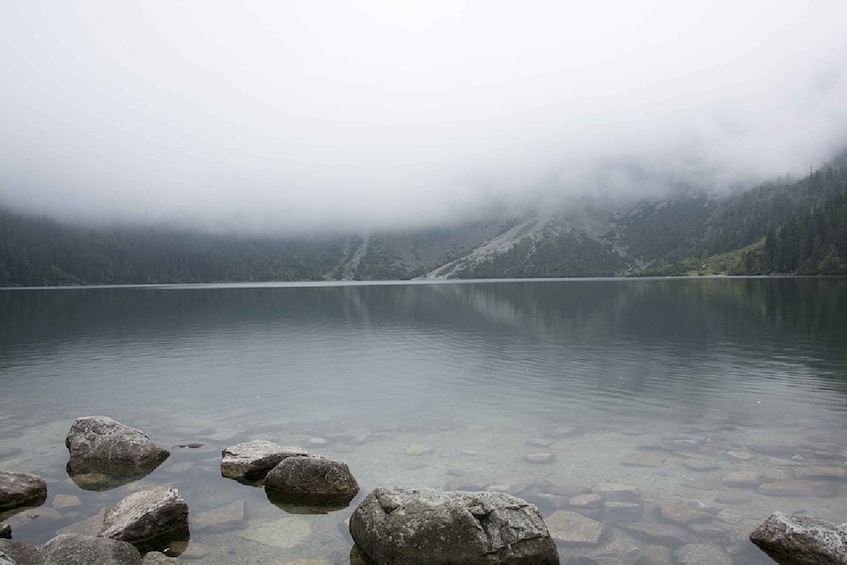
(423, 525)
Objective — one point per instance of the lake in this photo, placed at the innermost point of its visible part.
(721, 400)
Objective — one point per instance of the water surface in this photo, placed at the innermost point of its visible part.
(618, 380)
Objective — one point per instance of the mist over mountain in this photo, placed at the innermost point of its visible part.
(367, 116)
(783, 226)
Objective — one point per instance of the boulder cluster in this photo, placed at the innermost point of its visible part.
(390, 526)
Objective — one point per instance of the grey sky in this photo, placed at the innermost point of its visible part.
(293, 115)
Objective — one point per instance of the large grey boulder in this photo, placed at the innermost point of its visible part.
(147, 519)
(395, 526)
(311, 480)
(794, 539)
(21, 553)
(109, 451)
(73, 549)
(21, 490)
(251, 461)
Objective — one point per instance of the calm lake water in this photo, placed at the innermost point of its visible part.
(673, 386)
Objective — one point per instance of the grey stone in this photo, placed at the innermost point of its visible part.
(541, 457)
(664, 534)
(821, 472)
(700, 465)
(586, 501)
(618, 552)
(222, 519)
(644, 459)
(467, 482)
(618, 512)
(158, 558)
(72, 549)
(418, 449)
(571, 528)
(415, 527)
(147, 518)
(564, 487)
(312, 480)
(91, 526)
(801, 540)
(251, 461)
(797, 488)
(21, 553)
(682, 513)
(21, 490)
(618, 492)
(5, 530)
(701, 554)
(110, 450)
(742, 479)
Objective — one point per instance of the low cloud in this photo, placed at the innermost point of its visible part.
(305, 116)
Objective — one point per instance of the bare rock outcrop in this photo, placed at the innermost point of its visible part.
(409, 526)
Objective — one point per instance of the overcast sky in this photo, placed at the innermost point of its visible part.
(312, 114)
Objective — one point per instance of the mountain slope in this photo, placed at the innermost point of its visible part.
(788, 226)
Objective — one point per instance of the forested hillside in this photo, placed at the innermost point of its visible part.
(41, 251)
(782, 227)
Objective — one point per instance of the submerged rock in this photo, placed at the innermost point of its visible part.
(312, 480)
(793, 539)
(222, 519)
(251, 461)
(109, 453)
(742, 479)
(409, 526)
(147, 518)
(158, 558)
(21, 490)
(797, 488)
(570, 528)
(72, 548)
(701, 554)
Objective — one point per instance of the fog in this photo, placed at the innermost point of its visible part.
(289, 116)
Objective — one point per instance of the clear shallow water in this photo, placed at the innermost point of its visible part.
(482, 373)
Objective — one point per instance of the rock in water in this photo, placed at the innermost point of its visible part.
(251, 461)
(20, 553)
(394, 526)
(312, 480)
(21, 490)
(147, 519)
(103, 447)
(801, 540)
(72, 548)
(5, 531)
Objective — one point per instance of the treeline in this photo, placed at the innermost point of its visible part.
(788, 227)
(42, 252)
(813, 241)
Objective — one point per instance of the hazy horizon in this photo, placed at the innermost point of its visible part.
(279, 117)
